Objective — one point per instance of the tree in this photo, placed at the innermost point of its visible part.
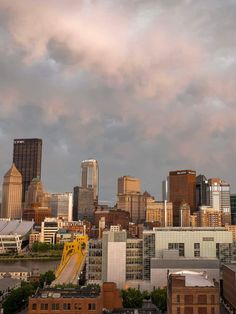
(132, 298)
(18, 298)
(46, 278)
(159, 298)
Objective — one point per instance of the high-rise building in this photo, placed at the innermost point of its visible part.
(201, 190)
(35, 194)
(90, 176)
(218, 197)
(61, 204)
(130, 198)
(11, 194)
(182, 187)
(165, 190)
(27, 156)
(208, 217)
(160, 213)
(83, 203)
(233, 208)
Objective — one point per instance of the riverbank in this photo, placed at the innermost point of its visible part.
(23, 258)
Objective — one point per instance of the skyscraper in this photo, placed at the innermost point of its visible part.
(11, 194)
(201, 190)
(27, 156)
(130, 198)
(90, 176)
(182, 184)
(218, 196)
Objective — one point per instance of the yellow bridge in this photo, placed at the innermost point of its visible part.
(72, 261)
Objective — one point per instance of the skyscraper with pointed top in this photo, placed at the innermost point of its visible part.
(12, 194)
(27, 156)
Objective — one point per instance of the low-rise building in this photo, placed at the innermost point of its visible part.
(86, 300)
(192, 293)
(229, 284)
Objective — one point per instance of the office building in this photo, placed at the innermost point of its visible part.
(160, 213)
(83, 203)
(129, 185)
(218, 197)
(229, 285)
(182, 187)
(90, 176)
(191, 292)
(208, 217)
(201, 190)
(35, 195)
(189, 242)
(61, 205)
(112, 217)
(49, 229)
(184, 215)
(165, 190)
(37, 214)
(12, 194)
(27, 156)
(131, 199)
(233, 208)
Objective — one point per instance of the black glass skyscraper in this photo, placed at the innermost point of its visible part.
(27, 156)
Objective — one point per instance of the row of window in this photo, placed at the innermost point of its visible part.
(190, 310)
(201, 299)
(65, 306)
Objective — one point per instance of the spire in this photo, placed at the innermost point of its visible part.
(12, 172)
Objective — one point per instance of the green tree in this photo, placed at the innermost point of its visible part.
(132, 298)
(18, 298)
(46, 278)
(159, 298)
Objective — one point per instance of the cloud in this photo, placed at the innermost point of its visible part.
(143, 86)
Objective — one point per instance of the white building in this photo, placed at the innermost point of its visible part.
(49, 228)
(218, 196)
(61, 204)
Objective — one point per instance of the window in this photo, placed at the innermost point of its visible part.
(44, 306)
(66, 306)
(202, 299)
(188, 310)
(178, 310)
(212, 299)
(55, 306)
(196, 249)
(177, 246)
(34, 306)
(78, 306)
(178, 298)
(188, 299)
(202, 310)
(91, 306)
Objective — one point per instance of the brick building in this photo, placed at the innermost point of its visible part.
(191, 293)
(72, 301)
(229, 284)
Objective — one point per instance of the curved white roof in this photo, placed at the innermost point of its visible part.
(15, 227)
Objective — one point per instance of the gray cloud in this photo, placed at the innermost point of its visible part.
(143, 86)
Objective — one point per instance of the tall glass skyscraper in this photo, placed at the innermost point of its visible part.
(27, 156)
(90, 176)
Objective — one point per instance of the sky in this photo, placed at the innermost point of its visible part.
(143, 86)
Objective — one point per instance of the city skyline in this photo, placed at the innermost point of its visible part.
(160, 98)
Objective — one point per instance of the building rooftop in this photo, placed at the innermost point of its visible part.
(194, 279)
(56, 293)
(8, 283)
(231, 267)
(12, 227)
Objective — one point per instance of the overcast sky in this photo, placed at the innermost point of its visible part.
(143, 86)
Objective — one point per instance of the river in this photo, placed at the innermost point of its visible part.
(28, 265)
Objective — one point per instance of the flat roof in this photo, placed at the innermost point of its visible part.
(13, 227)
(194, 279)
(187, 263)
